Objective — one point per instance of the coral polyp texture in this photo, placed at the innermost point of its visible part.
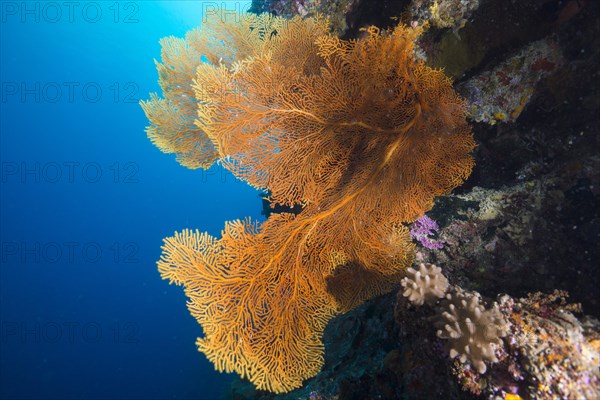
(358, 132)
(423, 229)
(501, 95)
(473, 332)
(425, 285)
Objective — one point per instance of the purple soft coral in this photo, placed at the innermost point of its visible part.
(421, 230)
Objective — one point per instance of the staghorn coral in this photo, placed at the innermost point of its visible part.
(472, 331)
(358, 132)
(425, 285)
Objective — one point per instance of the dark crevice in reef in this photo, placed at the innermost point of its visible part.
(381, 13)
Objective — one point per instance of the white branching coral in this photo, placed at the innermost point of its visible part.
(425, 285)
(472, 331)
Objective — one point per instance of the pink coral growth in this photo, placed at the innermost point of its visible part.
(422, 230)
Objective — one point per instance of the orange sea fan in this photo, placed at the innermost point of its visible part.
(221, 42)
(363, 136)
(371, 110)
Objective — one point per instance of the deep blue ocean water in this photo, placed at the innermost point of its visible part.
(86, 200)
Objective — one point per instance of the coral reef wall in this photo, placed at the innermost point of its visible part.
(520, 236)
(362, 134)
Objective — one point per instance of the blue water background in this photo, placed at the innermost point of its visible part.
(85, 202)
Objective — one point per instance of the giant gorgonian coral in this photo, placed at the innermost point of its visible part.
(358, 132)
